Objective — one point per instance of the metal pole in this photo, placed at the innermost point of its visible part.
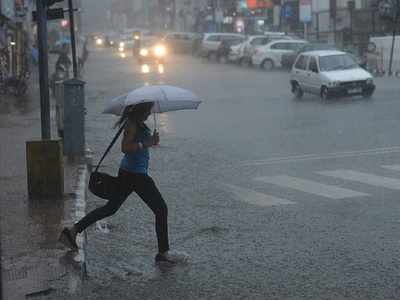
(43, 69)
(72, 32)
(351, 26)
(394, 36)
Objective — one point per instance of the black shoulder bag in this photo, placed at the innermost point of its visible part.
(101, 184)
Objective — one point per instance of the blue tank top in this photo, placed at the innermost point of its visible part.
(138, 161)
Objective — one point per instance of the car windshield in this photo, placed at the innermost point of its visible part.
(337, 62)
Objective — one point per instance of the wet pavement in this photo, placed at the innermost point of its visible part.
(33, 263)
(273, 198)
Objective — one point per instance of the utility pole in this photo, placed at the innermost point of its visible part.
(41, 7)
(395, 22)
(73, 41)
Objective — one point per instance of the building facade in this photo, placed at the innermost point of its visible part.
(15, 37)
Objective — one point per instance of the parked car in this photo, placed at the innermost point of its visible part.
(288, 59)
(179, 42)
(269, 56)
(211, 42)
(255, 42)
(225, 48)
(242, 54)
(330, 73)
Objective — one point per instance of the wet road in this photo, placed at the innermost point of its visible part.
(273, 198)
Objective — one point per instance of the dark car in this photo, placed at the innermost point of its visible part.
(225, 48)
(289, 58)
(152, 50)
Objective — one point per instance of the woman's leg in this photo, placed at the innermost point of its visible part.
(112, 206)
(149, 193)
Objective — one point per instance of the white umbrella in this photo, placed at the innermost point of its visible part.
(165, 98)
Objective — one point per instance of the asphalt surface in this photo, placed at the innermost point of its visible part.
(272, 197)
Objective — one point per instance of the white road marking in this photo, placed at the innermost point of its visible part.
(392, 167)
(254, 197)
(309, 157)
(311, 187)
(370, 179)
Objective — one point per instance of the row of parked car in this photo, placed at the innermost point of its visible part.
(316, 68)
(268, 51)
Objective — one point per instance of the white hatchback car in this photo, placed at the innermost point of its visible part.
(269, 56)
(330, 73)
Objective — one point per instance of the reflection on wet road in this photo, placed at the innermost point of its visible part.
(295, 234)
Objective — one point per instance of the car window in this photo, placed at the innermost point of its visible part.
(313, 66)
(337, 62)
(280, 46)
(214, 38)
(257, 42)
(301, 63)
(295, 46)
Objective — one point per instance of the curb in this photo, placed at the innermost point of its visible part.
(80, 211)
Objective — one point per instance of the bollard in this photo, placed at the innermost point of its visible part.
(45, 169)
(74, 118)
(59, 95)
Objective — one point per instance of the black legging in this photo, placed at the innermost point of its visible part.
(145, 187)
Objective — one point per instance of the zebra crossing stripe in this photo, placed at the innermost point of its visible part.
(392, 167)
(311, 187)
(254, 197)
(370, 179)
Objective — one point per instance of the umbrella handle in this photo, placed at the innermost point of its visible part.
(155, 121)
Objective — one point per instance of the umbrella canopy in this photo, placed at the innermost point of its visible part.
(165, 98)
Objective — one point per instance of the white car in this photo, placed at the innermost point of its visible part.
(330, 73)
(269, 56)
(242, 53)
(212, 41)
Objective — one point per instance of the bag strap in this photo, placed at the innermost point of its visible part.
(111, 144)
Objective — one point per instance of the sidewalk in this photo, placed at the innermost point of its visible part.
(34, 264)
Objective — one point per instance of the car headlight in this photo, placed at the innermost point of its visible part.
(121, 49)
(160, 51)
(370, 81)
(99, 42)
(144, 52)
(111, 42)
(122, 45)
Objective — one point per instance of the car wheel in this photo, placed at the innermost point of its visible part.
(324, 93)
(268, 65)
(297, 91)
